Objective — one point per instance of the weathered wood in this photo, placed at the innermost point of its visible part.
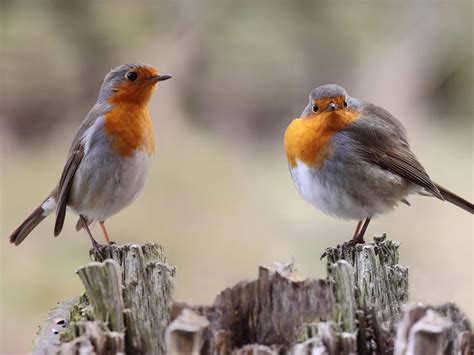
(368, 292)
(258, 311)
(185, 334)
(268, 311)
(48, 340)
(433, 330)
(147, 294)
(103, 283)
(93, 337)
(355, 311)
(127, 309)
(379, 288)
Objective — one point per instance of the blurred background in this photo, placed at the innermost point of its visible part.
(219, 197)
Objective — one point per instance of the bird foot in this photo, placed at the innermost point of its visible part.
(97, 248)
(342, 248)
(359, 239)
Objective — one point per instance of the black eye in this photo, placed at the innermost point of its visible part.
(345, 103)
(315, 108)
(132, 76)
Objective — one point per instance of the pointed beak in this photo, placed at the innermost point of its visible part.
(332, 107)
(157, 78)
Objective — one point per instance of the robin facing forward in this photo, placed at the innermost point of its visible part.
(109, 157)
(351, 159)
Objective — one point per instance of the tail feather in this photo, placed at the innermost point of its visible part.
(455, 199)
(35, 218)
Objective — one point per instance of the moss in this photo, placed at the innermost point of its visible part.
(80, 312)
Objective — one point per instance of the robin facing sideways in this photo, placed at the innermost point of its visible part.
(351, 159)
(108, 161)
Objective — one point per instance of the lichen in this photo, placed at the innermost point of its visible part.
(80, 312)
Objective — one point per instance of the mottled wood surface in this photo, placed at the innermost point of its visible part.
(355, 311)
(434, 330)
(271, 310)
(48, 340)
(360, 308)
(126, 308)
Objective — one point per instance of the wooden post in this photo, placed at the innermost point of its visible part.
(359, 309)
(127, 309)
(370, 288)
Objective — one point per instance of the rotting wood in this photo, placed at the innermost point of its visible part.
(433, 330)
(147, 294)
(48, 340)
(355, 311)
(380, 290)
(185, 334)
(127, 309)
(103, 284)
(369, 292)
(270, 311)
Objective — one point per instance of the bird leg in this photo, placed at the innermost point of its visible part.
(359, 236)
(356, 232)
(106, 234)
(95, 245)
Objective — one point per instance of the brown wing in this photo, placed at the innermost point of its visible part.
(382, 140)
(404, 163)
(76, 153)
(64, 186)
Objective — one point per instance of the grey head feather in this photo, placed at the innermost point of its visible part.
(327, 91)
(115, 77)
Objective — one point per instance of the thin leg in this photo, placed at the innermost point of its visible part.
(356, 232)
(95, 245)
(364, 227)
(359, 238)
(106, 235)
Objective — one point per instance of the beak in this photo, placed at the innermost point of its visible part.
(163, 77)
(332, 107)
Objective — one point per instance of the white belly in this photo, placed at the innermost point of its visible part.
(104, 186)
(332, 195)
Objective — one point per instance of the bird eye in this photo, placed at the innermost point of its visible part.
(345, 103)
(132, 76)
(315, 108)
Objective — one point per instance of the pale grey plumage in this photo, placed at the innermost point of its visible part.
(96, 183)
(370, 168)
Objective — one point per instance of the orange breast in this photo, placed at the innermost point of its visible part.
(308, 139)
(131, 128)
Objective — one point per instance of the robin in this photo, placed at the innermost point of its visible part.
(110, 155)
(351, 159)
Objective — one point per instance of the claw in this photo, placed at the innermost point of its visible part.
(97, 249)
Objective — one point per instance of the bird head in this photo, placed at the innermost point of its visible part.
(130, 83)
(327, 98)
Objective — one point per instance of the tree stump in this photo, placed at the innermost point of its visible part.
(126, 308)
(359, 309)
(355, 311)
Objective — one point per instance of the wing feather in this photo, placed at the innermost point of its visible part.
(76, 154)
(65, 184)
(381, 139)
(410, 169)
